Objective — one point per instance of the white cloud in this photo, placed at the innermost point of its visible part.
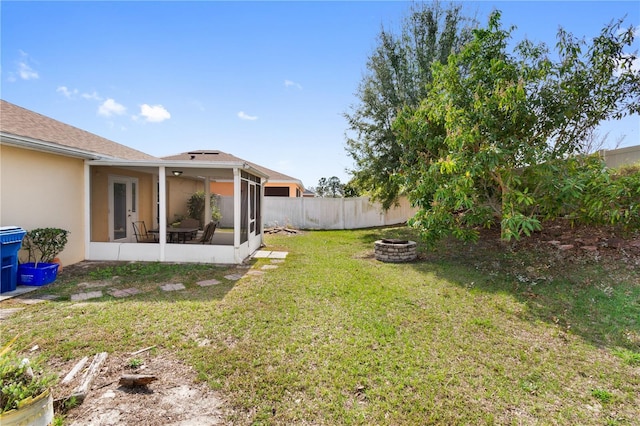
(26, 72)
(92, 96)
(154, 113)
(74, 93)
(289, 83)
(242, 115)
(66, 92)
(24, 69)
(111, 107)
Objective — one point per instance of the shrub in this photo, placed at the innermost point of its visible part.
(44, 244)
(195, 207)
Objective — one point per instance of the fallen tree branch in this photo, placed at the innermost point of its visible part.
(74, 371)
(143, 350)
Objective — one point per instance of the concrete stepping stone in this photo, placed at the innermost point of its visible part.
(172, 287)
(254, 272)
(125, 292)
(21, 289)
(207, 283)
(278, 255)
(97, 284)
(86, 296)
(264, 254)
(32, 300)
(267, 267)
(277, 261)
(261, 254)
(6, 313)
(233, 277)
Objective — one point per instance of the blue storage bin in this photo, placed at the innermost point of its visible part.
(44, 273)
(10, 244)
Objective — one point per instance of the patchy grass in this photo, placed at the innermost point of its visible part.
(486, 334)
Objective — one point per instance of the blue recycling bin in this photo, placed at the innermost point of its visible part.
(10, 243)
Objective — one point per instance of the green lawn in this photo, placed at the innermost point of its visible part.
(466, 335)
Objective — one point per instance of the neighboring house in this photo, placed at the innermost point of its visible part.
(278, 184)
(622, 156)
(308, 193)
(55, 175)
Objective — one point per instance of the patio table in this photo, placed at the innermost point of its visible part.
(179, 233)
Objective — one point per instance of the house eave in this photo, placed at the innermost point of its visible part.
(43, 146)
(290, 181)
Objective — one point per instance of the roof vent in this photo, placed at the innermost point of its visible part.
(204, 152)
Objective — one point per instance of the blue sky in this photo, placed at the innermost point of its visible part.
(265, 81)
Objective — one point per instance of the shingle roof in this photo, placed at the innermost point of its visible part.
(22, 122)
(214, 155)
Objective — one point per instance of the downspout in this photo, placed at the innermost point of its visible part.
(262, 182)
(236, 215)
(162, 225)
(87, 210)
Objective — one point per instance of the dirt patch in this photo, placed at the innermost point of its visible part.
(281, 230)
(175, 398)
(558, 239)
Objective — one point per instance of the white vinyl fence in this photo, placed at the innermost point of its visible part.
(323, 213)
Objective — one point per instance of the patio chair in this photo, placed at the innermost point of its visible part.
(207, 234)
(140, 231)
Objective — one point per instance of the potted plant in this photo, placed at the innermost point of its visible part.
(42, 245)
(25, 396)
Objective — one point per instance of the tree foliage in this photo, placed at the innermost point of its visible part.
(495, 137)
(399, 71)
(196, 205)
(329, 188)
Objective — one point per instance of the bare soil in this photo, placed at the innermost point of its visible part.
(559, 243)
(175, 399)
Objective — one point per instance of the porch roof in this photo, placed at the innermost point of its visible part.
(188, 169)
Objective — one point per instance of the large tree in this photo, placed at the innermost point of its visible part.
(329, 188)
(496, 136)
(399, 71)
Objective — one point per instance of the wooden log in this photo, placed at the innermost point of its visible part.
(131, 380)
(87, 379)
(74, 370)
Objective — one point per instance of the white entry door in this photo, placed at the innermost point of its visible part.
(123, 208)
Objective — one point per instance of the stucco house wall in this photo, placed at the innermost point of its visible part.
(41, 190)
(225, 189)
(295, 190)
(179, 190)
(222, 188)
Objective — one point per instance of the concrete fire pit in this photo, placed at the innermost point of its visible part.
(396, 251)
